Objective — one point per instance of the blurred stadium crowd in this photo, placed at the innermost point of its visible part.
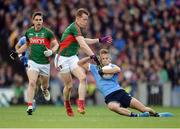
(146, 38)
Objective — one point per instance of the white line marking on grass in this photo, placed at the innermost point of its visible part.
(91, 128)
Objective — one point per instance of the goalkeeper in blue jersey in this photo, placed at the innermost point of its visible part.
(116, 98)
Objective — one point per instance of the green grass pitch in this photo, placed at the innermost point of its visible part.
(95, 117)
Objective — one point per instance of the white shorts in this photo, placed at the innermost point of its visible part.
(66, 64)
(42, 69)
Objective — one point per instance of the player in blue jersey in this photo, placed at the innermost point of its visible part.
(116, 98)
(24, 56)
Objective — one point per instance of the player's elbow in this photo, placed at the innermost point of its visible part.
(83, 46)
(17, 46)
(117, 69)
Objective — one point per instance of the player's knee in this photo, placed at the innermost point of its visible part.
(112, 106)
(82, 78)
(68, 83)
(32, 83)
(68, 89)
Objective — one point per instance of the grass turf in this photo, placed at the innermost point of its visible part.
(95, 117)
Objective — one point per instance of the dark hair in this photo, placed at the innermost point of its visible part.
(37, 14)
(81, 11)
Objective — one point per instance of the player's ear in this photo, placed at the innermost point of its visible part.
(77, 18)
(110, 58)
(33, 21)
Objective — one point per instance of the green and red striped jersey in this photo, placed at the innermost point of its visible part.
(39, 41)
(69, 45)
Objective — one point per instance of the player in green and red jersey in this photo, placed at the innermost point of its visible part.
(42, 44)
(73, 39)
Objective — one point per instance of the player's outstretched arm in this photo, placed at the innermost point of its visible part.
(84, 47)
(91, 41)
(113, 70)
(103, 40)
(84, 62)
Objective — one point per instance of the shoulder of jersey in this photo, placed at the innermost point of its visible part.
(47, 29)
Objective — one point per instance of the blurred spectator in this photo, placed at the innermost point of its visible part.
(119, 42)
(9, 76)
(2, 76)
(18, 87)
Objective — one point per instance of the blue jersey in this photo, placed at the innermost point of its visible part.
(25, 55)
(105, 86)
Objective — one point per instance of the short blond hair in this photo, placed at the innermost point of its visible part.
(103, 51)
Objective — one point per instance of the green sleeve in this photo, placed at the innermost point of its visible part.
(50, 35)
(75, 30)
(26, 35)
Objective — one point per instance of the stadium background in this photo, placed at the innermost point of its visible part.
(146, 45)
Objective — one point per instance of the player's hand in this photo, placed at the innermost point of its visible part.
(94, 57)
(13, 55)
(106, 39)
(48, 52)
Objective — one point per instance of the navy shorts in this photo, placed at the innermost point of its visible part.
(119, 96)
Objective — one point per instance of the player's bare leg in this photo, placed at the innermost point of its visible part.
(136, 104)
(67, 80)
(38, 85)
(44, 87)
(32, 76)
(80, 74)
(115, 107)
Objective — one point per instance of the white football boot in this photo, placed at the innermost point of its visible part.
(46, 94)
